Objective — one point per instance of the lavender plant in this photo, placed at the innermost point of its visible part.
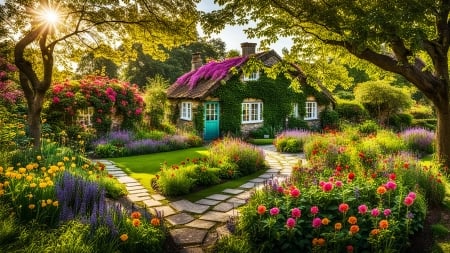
(419, 140)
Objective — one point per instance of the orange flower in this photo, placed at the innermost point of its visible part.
(261, 209)
(384, 224)
(352, 220)
(155, 222)
(375, 231)
(136, 215)
(315, 242)
(338, 226)
(354, 229)
(136, 222)
(381, 190)
(123, 237)
(31, 206)
(325, 221)
(321, 241)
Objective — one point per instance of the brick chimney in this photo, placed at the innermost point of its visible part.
(248, 48)
(196, 61)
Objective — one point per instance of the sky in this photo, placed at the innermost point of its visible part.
(233, 36)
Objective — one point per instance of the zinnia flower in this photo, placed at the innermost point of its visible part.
(338, 226)
(383, 224)
(136, 222)
(351, 176)
(352, 220)
(155, 221)
(343, 208)
(387, 212)
(381, 190)
(328, 186)
(392, 176)
(362, 209)
(325, 221)
(321, 241)
(314, 210)
(296, 213)
(338, 184)
(316, 222)
(391, 185)
(412, 195)
(136, 215)
(408, 201)
(354, 229)
(290, 223)
(375, 212)
(295, 192)
(349, 248)
(374, 231)
(123, 237)
(261, 209)
(274, 211)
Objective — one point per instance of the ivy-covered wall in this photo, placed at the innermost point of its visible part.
(276, 95)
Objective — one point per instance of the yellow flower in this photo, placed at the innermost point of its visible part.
(6, 183)
(29, 178)
(55, 203)
(30, 196)
(123, 237)
(2, 192)
(90, 172)
(43, 169)
(42, 184)
(31, 206)
(49, 201)
(1, 169)
(33, 185)
(39, 157)
(54, 168)
(47, 179)
(1, 186)
(50, 183)
(18, 176)
(43, 203)
(66, 159)
(23, 170)
(60, 164)
(73, 158)
(73, 165)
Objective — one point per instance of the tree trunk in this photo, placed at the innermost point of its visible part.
(34, 119)
(443, 133)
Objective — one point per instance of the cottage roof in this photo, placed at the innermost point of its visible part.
(199, 83)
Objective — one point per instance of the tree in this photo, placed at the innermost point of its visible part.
(65, 28)
(91, 65)
(406, 37)
(381, 99)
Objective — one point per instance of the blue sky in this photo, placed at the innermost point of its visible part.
(233, 36)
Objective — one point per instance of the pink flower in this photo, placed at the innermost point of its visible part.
(316, 223)
(69, 94)
(56, 100)
(412, 195)
(343, 208)
(321, 183)
(290, 223)
(280, 189)
(362, 209)
(274, 211)
(296, 213)
(375, 212)
(314, 210)
(387, 212)
(391, 185)
(338, 184)
(392, 176)
(138, 111)
(295, 192)
(408, 201)
(328, 186)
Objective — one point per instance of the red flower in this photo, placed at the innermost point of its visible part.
(261, 209)
(392, 176)
(408, 201)
(351, 176)
(343, 208)
(328, 186)
(295, 192)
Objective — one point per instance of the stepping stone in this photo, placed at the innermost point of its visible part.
(137, 191)
(134, 188)
(188, 236)
(223, 207)
(272, 171)
(232, 191)
(134, 184)
(158, 197)
(218, 197)
(215, 216)
(208, 202)
(139, 194)
(127, 179)
(244, 195)
(186, 205)
(135, 198)
(164, 210)
(191, 250)
(179, 219)
(151, 202)
(257, 180)
(236, 201)
(247, 185)
(201, 224)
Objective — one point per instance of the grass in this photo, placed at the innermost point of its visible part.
(261, 141)
(144, 167)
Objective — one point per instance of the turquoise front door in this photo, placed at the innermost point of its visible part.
(211, 128)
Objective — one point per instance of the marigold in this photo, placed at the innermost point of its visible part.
(381, 190)
(42, 185)
(43, 203)
(155, 222)
(55, 203)
(352, 220)
(136, 215)
(123, 237)
(33, 185)
(22, 170)
(325, 221)
(383, 224)
(29, 178)
(354, 229)
(338, 226)
(49, 201)
(321, 241)
(31, 206)
(315, 241)
(136, 222)
(30, 166)
(261, 209)
(374, 231)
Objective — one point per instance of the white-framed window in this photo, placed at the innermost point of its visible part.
(252, 76)
(186, 111)
(311, 110)
(252, 112)
(84, 116)
(294, 113)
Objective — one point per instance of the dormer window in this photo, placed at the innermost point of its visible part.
(254, 76)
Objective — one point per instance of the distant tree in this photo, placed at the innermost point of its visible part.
(65, 28)
(91, 65)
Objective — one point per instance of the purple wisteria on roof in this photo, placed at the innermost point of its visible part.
(212, 70)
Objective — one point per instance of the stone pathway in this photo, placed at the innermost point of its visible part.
(196, 226)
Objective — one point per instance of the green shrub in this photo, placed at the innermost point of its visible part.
(368, 127)
(261, 132)
(439, 230)
(297, 123)
(291, 141)
(419, 111)
(400, 121)
(114, 189)
(9, 228)
(329, 119)
(425, 123)
(232, 244)
(351, 111)
(205, 176)
(174, 181)
(389, 142)
(108, 150)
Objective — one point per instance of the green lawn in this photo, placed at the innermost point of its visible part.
(144, 167)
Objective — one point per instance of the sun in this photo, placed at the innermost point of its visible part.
(48, 16)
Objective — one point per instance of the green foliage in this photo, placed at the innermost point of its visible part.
(297, 123)
(329, 119)
(199, 119)
(381, 99)
(172, 181)
(368, 127)
(291, 141)
(400, 121)
(439, 230)
(419, 111)
(108, 150)
(262, 132)
(156, 103)
(351, 111)
(114, 189)
(232, 244)
(389, 142)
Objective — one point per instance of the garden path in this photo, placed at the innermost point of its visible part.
(196, 226)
